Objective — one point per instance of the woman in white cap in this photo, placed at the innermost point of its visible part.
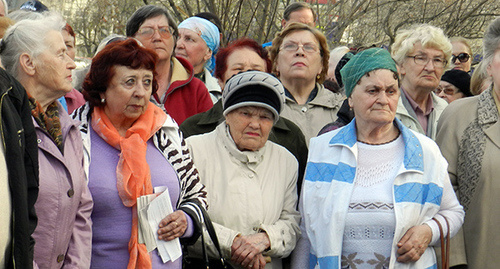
(198, 42)
(250, 181)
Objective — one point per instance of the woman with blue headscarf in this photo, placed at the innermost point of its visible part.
(198, 42)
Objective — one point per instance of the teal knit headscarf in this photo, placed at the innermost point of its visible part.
(364, 62)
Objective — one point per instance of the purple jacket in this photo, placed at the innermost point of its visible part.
(63, 236)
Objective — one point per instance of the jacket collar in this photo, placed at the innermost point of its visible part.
(413, 159)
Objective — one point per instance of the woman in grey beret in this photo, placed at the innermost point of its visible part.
(250, 181)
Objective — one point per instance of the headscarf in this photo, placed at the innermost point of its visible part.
(133, 177)
(208, 32)
(364, 62)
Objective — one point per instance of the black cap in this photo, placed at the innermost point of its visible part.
(459, 79)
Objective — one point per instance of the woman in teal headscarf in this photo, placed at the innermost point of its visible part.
(198, 42)
(373, 187)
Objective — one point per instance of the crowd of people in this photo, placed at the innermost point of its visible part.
(301, 157)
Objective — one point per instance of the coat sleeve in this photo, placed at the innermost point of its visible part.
(284, 233)
(193, 194)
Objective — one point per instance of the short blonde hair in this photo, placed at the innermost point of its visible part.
(462, 40)
(427, 35)
(478, 77)
(295, 27)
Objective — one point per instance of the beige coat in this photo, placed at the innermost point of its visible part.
(248, 191)
(314, 115)
(469, 138)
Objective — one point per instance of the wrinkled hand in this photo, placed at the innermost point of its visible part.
(172, 226)
(414, 243)
(247, 250)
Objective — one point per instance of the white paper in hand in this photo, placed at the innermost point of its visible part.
(158, 209)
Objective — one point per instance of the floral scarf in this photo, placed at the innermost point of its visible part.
(133, 178)
(48, 120)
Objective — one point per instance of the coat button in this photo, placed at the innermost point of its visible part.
(39, 140)
(71, 192)
(304, 109)
(60, 258)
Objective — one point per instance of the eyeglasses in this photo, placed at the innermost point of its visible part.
(462, 57)
(293, 47)
(447, 91)
(148, 32)
(424, 60)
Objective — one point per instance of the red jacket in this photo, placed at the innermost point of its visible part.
(186, 96)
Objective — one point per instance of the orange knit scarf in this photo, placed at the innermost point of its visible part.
(133, 178)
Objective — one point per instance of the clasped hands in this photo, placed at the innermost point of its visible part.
(247, 250)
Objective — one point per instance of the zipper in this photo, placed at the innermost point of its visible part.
(4, 146)
(1, 105)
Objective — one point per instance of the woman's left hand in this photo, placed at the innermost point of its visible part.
(414, 243)
(172, 226)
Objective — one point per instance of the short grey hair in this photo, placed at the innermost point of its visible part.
(491, 41)
(22, 14)
(27, 36)
(427, 35)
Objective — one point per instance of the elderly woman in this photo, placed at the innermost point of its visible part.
(469, 135)
(461, 58)
(251, 182)
(454, 84)
(198, 43)
(300, 60)
(374, 190)
(239, 56)
(179, 92)
(132, 147)
(34, 52)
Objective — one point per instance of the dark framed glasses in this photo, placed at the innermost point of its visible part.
(462, 57)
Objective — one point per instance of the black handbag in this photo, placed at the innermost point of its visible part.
(206, 262)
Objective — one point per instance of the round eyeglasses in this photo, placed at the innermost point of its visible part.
(148, 32)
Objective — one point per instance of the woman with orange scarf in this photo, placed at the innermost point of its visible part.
(131, 148)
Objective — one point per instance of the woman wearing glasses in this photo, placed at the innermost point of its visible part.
(300, 60)
(461, 58)
(455, 84)
(179, 92)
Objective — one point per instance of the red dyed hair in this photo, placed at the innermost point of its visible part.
(69, 29)
(126, 53)
(245, 42)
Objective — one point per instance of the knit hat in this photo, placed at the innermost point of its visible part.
(254, 88)
(459, 79)
(364, 62)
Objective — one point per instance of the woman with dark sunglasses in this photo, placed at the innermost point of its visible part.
(461, 58)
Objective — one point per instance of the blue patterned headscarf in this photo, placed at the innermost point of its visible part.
(364, 62)
(208, 32)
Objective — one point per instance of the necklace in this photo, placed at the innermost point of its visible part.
(383, 143)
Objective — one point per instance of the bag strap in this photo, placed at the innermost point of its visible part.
(213, 236)
(445, 243)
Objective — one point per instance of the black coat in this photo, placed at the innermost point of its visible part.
(21, 155)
